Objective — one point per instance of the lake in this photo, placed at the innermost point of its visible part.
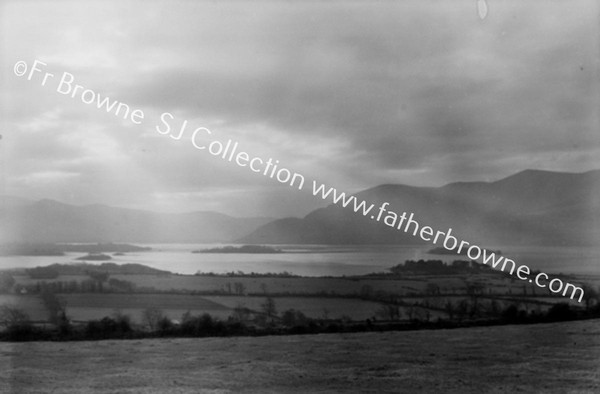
(321, 260)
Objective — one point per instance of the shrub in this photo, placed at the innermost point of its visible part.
(165, 326)
(107, 327)
(560, 312)
(292, 318)
(17, 324)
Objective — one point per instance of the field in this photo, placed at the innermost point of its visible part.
(313, 307)
(311, 285)
(543, 358)
(348, 298)
(306, 285)
(82, 307)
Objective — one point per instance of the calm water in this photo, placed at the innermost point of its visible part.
(319, 260)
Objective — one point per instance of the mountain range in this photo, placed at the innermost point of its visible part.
(532, 207)
(50, 221)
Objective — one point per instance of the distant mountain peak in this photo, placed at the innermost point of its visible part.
(51, 221)
(532, 207)
(546, 173)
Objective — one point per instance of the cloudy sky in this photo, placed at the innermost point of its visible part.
(353, 94)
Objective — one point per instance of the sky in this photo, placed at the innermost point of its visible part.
(351, 94)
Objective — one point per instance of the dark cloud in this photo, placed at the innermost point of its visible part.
(355, 94)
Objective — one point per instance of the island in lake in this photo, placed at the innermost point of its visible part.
(259, 249)
(95, 257)
(463, 252)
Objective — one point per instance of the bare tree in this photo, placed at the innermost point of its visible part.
(462, 309)
(411, 312)
(151, 317)
(11, 316)
(240, 288)
(241, 313)
(57, 308)
(389, 312)
(432, 289)
(269, 308)
(449, 307)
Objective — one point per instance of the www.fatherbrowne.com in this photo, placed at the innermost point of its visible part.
(448, 241)
(232, 152)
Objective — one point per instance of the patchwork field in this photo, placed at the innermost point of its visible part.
(89, 306)
(312, 285)
(82, 307)
(313, 307)
(316, 297)
(542, 358)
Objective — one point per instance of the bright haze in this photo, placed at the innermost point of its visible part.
(353, 94)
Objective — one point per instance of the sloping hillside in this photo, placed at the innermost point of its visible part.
(543, 358)
(52, 221)
(529, 208)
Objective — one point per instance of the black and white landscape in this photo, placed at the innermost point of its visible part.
(532, 207)
(160, 229)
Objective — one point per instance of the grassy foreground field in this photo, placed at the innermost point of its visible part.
(544, 358)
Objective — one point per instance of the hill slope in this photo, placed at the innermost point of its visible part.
(548, 358)
(52, 221)
(529, 208)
